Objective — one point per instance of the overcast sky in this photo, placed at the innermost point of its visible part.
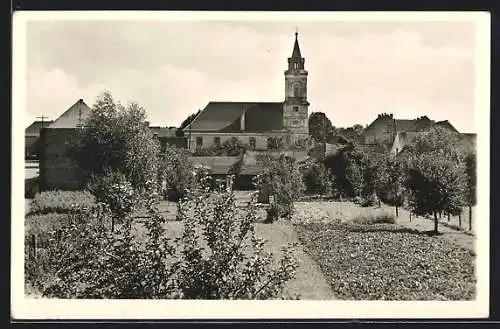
(356, 69)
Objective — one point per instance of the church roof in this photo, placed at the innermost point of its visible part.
(226, 116)
(72, 117)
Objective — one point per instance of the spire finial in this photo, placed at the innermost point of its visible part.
(296, 32)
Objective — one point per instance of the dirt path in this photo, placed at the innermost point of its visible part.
(309, 282)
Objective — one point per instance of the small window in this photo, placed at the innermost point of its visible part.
(199, 141)
(217, 141)
(253, 143)
(295, 66)
(270, 143)
(296, 90)
(296, 122)
(296, 109)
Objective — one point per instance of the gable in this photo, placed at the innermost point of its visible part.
(34, 128)
(73, 116)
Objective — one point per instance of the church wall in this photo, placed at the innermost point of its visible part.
(208, 138)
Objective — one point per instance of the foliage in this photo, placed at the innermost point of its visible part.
(31, 187)
(175, 173)
(317, 178)
(42, 224)
(118, 138)
(385, 262)
(351, 133)
(282, 177)
(374, 218)
(218, 255)
(390, 182)
(230, 147)
(188, 120)
(471, 174)
(60, 201)
(436, 174)
(276, 143)
(231, 262)
(320, 127)
(113, 189)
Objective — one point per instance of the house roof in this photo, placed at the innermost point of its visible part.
(72, 117)
(446, 124)
(34, 128)
(404, 125)
(226, 116)
(218, 165)
(164, 131)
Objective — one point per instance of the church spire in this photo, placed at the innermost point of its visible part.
(296, 49)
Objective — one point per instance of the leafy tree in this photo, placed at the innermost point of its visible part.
(276, 143)
(175, 173)
(320, 127)
(189, 119)
(283, 179)
(436, 173)
(317, 178)
(117, 138)
(391, 178)
(470, 171)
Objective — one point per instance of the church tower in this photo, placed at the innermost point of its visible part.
(295, 106)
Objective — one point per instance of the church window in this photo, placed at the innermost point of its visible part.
(295, 66)
(296, 90)
(253, 143)
(199, 141)
(296, 122)
(217, 141)
(270, 143)
(296, 109)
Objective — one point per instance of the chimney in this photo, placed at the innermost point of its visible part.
(242, 122)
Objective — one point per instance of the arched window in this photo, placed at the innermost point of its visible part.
(296, 90)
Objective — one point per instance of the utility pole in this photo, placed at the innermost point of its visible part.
(42, 118)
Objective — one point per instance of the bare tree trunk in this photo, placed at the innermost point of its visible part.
(397, 213)
(410, 215)
(460, 219)
(448, 216)
(470, 218)
(112, 224)
(435, 223)
(33, 246)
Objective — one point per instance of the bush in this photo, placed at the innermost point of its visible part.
(221, 256)
(281, 176)
(31, 187)
(175, 173)
(61, 201)
(43, 226)
(377, 218)
(317, 178)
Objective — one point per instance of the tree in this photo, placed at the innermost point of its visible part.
(189, 119)
(436, 173)
(470, 171)
(175, 173)
(351, 132)
(282, 177)
(320, 127)
(317, 178)
(116, 138)
(391, 178)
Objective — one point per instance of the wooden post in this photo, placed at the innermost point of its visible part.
(33, 245)
(448, 217)
(470, 218)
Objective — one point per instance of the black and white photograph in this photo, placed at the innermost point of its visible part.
(286, 165)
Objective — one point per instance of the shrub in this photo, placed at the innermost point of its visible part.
(31, 187)
(43, 225)
(281, 176)
(221, 256)
(175, 173)
(374, 218)
(116, 192)
(60, 201)
(317, 178)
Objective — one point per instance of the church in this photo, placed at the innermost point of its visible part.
(257, 124)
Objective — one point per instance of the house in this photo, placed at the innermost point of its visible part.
(169, 136)
(31, 135)
(57, 171)
(257, 123)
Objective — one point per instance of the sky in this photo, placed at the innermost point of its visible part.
(173, 68)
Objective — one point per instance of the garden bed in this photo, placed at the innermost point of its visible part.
(388, 262)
